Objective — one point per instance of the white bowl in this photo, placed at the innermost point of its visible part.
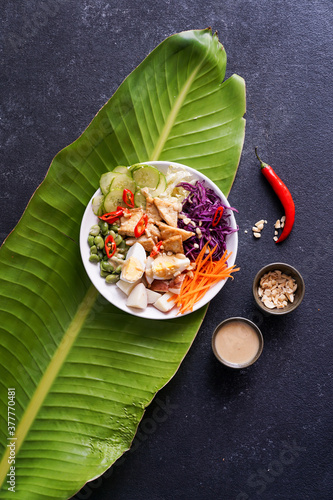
(111, 292)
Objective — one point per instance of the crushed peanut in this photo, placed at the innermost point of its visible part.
(258, 227)
(276, 289)
(185, 219)
(279, 224)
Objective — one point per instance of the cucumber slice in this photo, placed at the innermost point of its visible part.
(122, 170)
(136, 166)
(113, 199)
(105, 181)
(146, 176)
(97, 204)
(123, 181)
(139, 200)
(162, 185)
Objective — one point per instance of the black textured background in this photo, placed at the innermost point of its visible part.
(261, 433)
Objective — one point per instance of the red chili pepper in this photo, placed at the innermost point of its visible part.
(110, 246)
(141, 226)
(217, 216)
(284, 196)
(111, 217)
(156, 249)
(125, 210)
(128, 198)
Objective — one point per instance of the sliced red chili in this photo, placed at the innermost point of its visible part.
(111, 217)
(141, 226)
(128, 198)
(125, 210)
(156, 249)
(110, 246)
(217, 216)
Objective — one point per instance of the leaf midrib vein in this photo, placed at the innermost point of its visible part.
(49, 376)
(169, 122)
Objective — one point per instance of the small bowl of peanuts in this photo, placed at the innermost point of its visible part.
(278, 288)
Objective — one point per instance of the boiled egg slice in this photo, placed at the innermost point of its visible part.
(149, 273)
(164, 267)
(134, 264)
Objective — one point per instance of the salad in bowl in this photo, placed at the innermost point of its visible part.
(158, 239)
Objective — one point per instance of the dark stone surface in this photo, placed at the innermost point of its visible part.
(225, 434)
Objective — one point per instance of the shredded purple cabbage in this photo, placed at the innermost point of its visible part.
(200, 207)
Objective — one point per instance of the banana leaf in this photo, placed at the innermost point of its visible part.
(82, 370)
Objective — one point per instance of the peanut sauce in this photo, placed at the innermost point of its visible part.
(237, 342)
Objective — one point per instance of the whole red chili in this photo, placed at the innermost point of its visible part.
(217, 216)
(128, 198)
(110, 246)
(156, 249)
(284, 196)
(141, 226)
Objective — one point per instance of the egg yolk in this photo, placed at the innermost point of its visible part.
(165, 268)
(132, 270)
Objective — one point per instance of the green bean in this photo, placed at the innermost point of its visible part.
(94, 230)
(100, 255)
(107, 266)
(105, 228)
(104, 274)
(90, 240)
(99, 242)
(113, 234)
(111, 278)
(114, 228)
(122, 245)
(118, 270)
(93, 249)
(105, 258)
(94, 258)
(118, 239)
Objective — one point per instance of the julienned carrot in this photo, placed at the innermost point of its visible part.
(207, 273)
